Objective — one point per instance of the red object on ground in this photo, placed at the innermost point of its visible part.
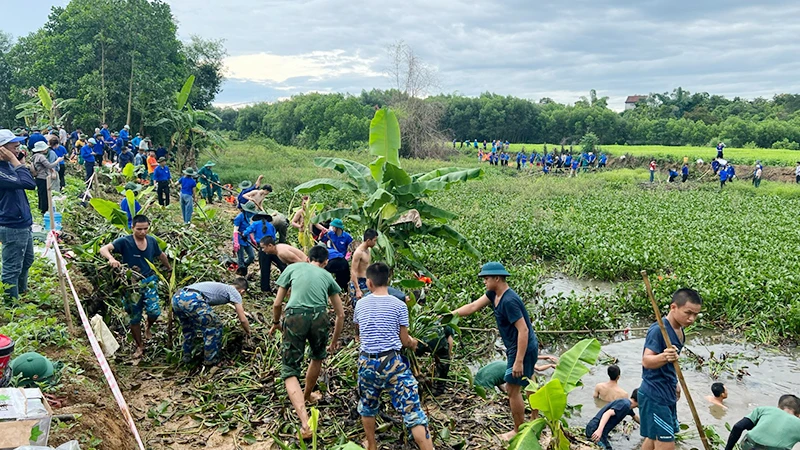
(6, 349)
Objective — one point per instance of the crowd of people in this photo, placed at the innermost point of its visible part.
(310, 284)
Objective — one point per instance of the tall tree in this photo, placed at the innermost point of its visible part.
(6, 105)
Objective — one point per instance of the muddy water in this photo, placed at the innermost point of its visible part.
(563, 284)
(772, 375)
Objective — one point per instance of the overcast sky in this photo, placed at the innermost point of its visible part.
(556, 49)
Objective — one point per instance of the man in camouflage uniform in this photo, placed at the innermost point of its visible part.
(306, 320)
(192, 306)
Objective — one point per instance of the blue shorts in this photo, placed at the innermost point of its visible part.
(659, 422)
(145, 299)
(528, 364)
(395, 377)
(362, 284)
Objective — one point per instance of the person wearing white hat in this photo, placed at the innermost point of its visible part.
(88, 157)
(42, 171)
(15, 215)
(124, 133)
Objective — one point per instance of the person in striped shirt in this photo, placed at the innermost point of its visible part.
(382, 321)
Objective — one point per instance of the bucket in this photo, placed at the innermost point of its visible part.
(6, 349)
(57, 217)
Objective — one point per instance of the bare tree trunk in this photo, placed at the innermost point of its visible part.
(130, 93)
(103, 78)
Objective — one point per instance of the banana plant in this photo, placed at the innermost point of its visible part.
(43, 109)
(389, 199)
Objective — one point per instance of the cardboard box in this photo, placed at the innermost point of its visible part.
(24, 414)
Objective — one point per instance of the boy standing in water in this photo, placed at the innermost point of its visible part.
(658, 394)
(514, 324)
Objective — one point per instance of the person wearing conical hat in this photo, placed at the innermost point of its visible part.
(188, 184)
(43, 169)
(516, 330)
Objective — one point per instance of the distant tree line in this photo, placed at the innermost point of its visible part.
(341, 121)
(120, 59)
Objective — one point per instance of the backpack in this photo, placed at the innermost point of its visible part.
(34, 172)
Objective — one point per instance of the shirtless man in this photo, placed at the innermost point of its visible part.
(361, 260)
(299, 219)
(720, 393)
(285, 252)
(610, 390)
(257, 196)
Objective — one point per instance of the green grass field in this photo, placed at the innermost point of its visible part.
(732, 245)
(676, 154)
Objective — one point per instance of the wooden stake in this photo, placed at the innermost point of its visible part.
(61, 284)
(675, 363)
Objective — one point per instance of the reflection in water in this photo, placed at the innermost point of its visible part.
(773, 375)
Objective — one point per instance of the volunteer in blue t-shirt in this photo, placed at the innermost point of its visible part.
(137, 249)
(609, 417)
(658, 393)
(188, 184)
(516, 330)
(338, 241)
(241, 246)
(259, 228)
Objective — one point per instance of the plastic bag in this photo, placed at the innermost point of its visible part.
(104, 336)
(71, 445)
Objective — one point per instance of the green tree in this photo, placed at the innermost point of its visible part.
(390, 200)
(6, 106)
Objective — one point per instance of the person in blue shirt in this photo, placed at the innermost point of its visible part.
(684, 173)
(731, 173)
(658, 393)
(602, 162)
(123, 204)
(516, 331)
(162, 177)
(568, 160)
(118, 144)
(573, 170)
(88, 158)
(105, 132)
(715, 166)
(137, 140)
(188, 184)
(241, 246)
(74, 136)
(125, 157)
(98, 148)
(523, 159)
(338, 241)
(260, 227)
(476, 143)
(609, 417)
(723, 176)
(124, 133)
(161, 151)
(36, 136)
(60, 152)
(673, 174)
(519, 160)
(720, 148)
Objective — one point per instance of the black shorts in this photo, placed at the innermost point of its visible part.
(340, 269)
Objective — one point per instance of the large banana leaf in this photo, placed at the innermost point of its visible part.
(393, 174)
(528, 436)
(384, 136)
(360, 173)
(436, 173)
(385, 246)
(44, 97)
(431, 212)
(376, 201)
(458, 176)
(338, 213)
(452, 236)
(326, 184)
(571, 365)
(183, 95)
(421, 188)
(111, 212)
(550, 400)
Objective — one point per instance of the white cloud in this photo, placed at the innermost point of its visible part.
(317, 66)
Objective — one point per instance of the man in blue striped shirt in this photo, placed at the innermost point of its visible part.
(382, 321)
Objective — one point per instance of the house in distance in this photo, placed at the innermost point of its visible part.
(632, 100)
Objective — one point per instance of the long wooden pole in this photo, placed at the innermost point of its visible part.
(675, 363)
(61, 283)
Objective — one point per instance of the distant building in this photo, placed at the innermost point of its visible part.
(631, 101)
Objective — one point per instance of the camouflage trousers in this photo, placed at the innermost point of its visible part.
(144, 299)
(196, 315)
(301, 325)
(390, 373)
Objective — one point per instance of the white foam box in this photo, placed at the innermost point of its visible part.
(24, 414)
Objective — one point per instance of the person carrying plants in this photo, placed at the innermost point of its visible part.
(383, 321)
(516, 330)
(306, 320)
(769, 427)
(188, 184)
(162, 177)
(260, 227)
(206, 175)
(338, 241)
(658, 393)
(138, 250)
(362, 257)
(193, 308)
(123, 204)
(610, 390)
(609, 417)
(287, 254)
